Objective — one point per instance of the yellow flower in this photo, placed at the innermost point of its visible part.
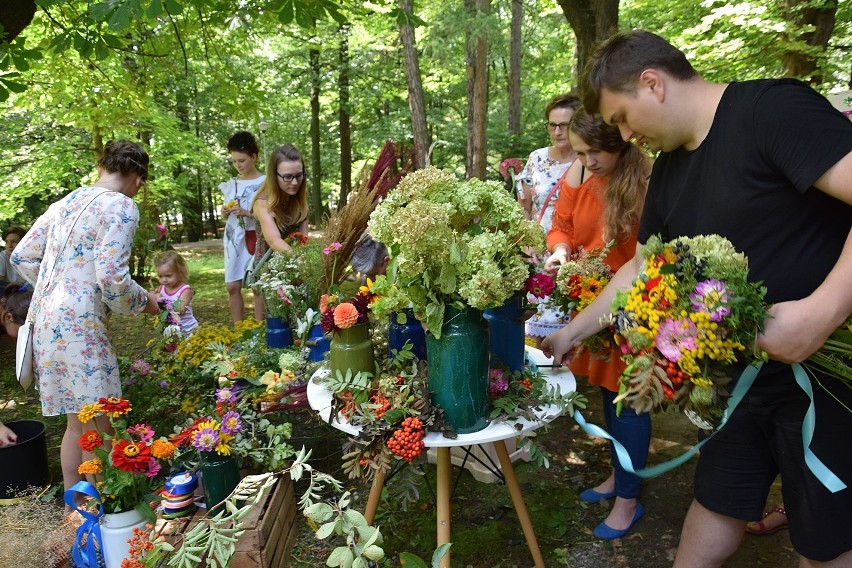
(189, 405)
(223, 448)
(88, 412)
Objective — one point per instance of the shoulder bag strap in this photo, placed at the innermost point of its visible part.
(550, 196)
(61, 250)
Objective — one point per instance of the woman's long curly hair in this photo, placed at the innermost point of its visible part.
(625, 193)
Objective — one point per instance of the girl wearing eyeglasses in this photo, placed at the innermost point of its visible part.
(281, 205)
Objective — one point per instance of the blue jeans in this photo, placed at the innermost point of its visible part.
(633, 431)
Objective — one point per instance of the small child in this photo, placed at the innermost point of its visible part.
(14, 304)
(173, 273)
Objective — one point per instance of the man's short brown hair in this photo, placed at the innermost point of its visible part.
(617, 63)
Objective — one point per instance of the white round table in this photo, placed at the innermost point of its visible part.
(320, 399)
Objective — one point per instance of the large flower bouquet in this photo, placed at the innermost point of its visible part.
(690, 314)
(127, 462)
(236, 425)
(579, 282)
(453, 242)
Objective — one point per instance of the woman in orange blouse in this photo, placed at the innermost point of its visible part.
(600, 200)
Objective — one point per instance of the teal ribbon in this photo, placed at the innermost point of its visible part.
(819, 469)
(88, 555)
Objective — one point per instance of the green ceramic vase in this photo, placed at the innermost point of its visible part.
(352, 348)
(458, 369)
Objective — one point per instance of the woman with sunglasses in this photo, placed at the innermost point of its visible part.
(281, 205)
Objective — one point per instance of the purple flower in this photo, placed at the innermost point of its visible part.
(226, 395)
(205, 439)
(141, 367)
(164, 384)
(711, 296)
(129, 381)
(674, 335)
(498, 381)
(231, 423)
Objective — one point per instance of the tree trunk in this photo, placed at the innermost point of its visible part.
(15, 16)
(814, 24)
(419, 128)
(315, 197)
(343, 116)
(592, 22)
(514, 90)
(477, 92)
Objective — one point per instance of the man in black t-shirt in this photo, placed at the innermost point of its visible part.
(767, 164)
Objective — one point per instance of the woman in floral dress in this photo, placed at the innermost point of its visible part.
(539, 191)
(76, 256)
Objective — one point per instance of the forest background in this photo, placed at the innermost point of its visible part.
(460, 83)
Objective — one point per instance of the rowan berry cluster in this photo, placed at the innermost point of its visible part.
(407, 441)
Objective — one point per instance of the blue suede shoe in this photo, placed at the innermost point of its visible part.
(592, 496)
(606, 532)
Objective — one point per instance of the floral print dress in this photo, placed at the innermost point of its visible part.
(542, 174)
(79, 267)
(237, 256)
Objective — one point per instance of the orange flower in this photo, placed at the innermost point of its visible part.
(162, 449)
(323, 303)
(91, 467)
(345, 315)
(90, 440)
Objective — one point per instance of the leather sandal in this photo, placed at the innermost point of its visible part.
(760, 527)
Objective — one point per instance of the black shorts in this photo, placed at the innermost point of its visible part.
(763, 438)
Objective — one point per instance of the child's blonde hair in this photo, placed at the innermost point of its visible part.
(176, 261)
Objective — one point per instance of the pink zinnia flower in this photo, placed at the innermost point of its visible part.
(674, 335)
(711, 296)
(540, 285)
(162, 231)
(153, 468)
(142, 432)
(335, 246)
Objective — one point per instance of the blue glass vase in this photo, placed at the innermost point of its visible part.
(458, 369)
(506, 330)
(402, 327)
(278, 333)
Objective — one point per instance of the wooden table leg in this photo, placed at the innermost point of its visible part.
(518, 501)
(445, 479)
(375, 496)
